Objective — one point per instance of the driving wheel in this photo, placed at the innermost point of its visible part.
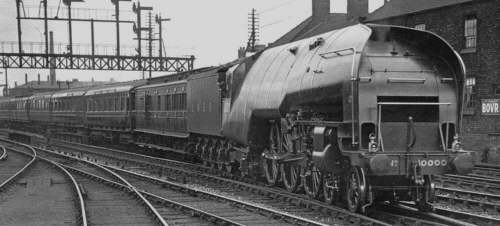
(356, 189)
(312, 181)
(290, 175)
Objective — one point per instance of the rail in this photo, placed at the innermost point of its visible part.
(174, 167)
(81, 206)
(236, 202)
(19, 172)
(139, 194)
(129, 186)
(83, 214)
(4, 153)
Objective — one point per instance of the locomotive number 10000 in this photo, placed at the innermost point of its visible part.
(432, 162)
(423, 163)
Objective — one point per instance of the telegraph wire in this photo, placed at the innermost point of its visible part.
(277, 6)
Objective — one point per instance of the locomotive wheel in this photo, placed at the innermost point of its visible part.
(312, 180)
(229, 167)
(220, 158)
(356, 189)
(329, 192)
(271, 170)
(290, 175)
(229, 163)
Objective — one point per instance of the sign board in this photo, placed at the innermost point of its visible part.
(490, 106)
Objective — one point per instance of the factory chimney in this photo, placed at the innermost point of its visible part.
(52, 61)
(39, 79)
(322, 9)
(26, 78)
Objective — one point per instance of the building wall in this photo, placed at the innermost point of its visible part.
(483, 63)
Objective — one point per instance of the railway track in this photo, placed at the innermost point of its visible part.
(11, 162)
(39, 193)
(176, 171)
(267, 201)
(486, 170)
(217, 209)
(212, 208)
(104, 203)
(469, 198)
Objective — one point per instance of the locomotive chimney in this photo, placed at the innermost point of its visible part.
(320, 9)
(357, 9)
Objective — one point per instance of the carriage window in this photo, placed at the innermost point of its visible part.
(177, 101)
(184, 101)
(168, 102)
(147, 104)
(158, 103)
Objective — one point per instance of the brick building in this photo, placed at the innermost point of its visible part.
(471, 26)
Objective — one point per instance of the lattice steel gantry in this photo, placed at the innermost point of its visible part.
(92, 61)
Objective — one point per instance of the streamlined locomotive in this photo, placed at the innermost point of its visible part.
(367, 112)
(352, 116)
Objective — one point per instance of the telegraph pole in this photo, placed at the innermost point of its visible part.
(117, 17)
(159, 21)
(46, 28)
(150, 40)
(253, 31)
(137, 9)
(19, 33)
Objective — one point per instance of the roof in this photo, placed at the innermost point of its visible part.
(395, 8)
(115, 89)
(42, 95)
(162, 84)
(311, 27)
(70, 93)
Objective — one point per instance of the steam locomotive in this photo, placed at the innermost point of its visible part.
(352, 116)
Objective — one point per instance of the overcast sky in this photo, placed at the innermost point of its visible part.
(212, 30)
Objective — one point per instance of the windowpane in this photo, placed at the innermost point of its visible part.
(158, 107)
(420, 27)
(470, 32)
(469, 92)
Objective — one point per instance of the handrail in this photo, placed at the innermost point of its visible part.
(412, 103)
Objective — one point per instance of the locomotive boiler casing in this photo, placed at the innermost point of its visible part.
(349, 73)
(296, 74)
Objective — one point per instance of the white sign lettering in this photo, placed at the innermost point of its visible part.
(490, 107)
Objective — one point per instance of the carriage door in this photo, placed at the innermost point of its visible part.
(147, 105)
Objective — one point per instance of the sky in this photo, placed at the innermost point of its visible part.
(212, 30)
